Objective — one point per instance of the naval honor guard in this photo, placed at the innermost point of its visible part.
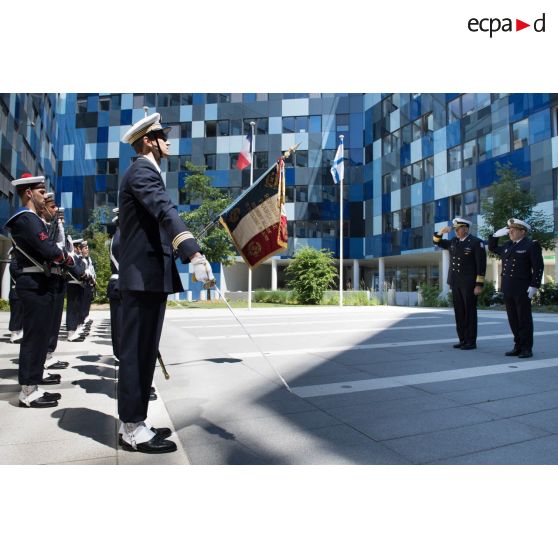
(151, 232)
(465, 278)
(522, 271)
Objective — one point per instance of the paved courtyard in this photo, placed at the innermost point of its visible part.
(374, 385)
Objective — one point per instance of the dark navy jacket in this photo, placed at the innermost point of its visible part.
(522, 264)
(149, 222)
(467, 260)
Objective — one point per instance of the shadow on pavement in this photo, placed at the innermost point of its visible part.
(89, 423)
(96, 371)
(102, 386)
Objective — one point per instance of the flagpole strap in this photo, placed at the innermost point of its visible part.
(252, 339)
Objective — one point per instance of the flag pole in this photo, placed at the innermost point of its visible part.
(253, 142)
(341, 136)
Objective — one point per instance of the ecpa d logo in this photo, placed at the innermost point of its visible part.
(493, 25)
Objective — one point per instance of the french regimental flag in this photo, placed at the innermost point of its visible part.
(257, 222)
(245, 155)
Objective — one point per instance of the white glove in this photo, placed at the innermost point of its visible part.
(60, 239)
(532, 291)
(202, 271)
(501, 232)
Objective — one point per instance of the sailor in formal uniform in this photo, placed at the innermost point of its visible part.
(89, 286)
(151, 231)
(522, 271)
(465, 278)
(75, 294)
(39, 260)
(56, 233)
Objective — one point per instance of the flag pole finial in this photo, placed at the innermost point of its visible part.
(291, 150)
(145, 109)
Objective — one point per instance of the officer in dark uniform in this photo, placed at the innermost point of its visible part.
(39, 260)
(465, 278)
(56, 233)
(150, 232)
(522, 271)
(16, 308)
(113, 292)
(74, 304)
(89, 286)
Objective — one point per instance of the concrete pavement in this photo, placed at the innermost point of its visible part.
(370, 385)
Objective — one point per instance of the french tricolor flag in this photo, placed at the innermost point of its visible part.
(245, 155)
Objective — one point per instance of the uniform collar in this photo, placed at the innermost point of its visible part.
(464, 239)
(153, 163)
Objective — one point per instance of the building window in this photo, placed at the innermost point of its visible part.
(417, 128)
(104, 104)
(342, 123)
(301, 124)
(406, 176)
(454, 110)
(484, 147)
(301, 158)
(223, 127)
(186, 130)
(315, 124)
(428, 213)
(386, 183)
(471, 202)
(112, 166)
(454, 158)
(429, 168)
(260, 160)
(261, 126)
(418, 172)
(288, 124)
(210, 161)
(186, 98)
(469, 153)
(520, 133)
(210, 129)
(81, 106)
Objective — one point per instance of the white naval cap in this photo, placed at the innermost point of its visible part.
(77, 240)
(151, 123)
(49, 196)
(26, 181)
(460, 222)
(518, 224)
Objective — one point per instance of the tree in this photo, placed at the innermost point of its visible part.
(216, 243)
(508, 199)
(99, 248)
(310, 274)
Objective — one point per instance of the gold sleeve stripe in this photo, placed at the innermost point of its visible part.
(480, 279)
(179, 238)
(436, 238)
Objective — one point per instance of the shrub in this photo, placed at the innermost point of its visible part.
(274, 297)
(547, 294)
(310, 274)
(432, 296)
(487, 295)
(4, 305)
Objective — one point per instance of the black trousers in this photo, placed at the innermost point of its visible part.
(115, 317)
(518, 307)
(465, 310)
(16, 311)
(37, 317)
(57, 310)
(142, 323)
(86, 302)
(74, 306)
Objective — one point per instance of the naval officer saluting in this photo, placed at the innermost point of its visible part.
(522, 271)
(465, 278)
(151, 231)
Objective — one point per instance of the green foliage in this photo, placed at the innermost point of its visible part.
(98, 220)
(4, 305)
(274, 297)
(432, 296)
(507, 198)
(216, 244)
(310, 273)
(350, 298)
(546, 295)
(100, 254)
(485, 298)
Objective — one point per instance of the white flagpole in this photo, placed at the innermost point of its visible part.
(253, 126)
(341, 136)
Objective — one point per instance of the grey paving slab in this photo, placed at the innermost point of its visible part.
(521, 404)
(541, 451)
(426, 448)
(490, 393)
(545, 420)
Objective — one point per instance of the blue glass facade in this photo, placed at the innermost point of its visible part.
(413, 161)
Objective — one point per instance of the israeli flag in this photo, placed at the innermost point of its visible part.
(338, 167)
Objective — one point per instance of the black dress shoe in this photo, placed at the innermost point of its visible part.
(51, 379)
(58, 365)
(468, 346)
(152, 397)
(161, 432)
(515, 352)
(458, 345)
(39, 403)
(51, 396)
(155, 445)
(526, 353)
